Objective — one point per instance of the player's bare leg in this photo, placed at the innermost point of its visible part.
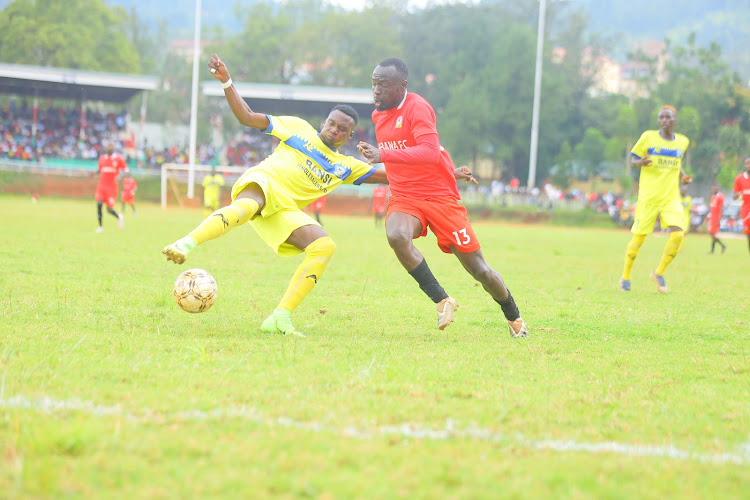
(401, 229)
(493, 284)
(99, 205)
(714, 241)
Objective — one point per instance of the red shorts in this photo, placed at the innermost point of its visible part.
(745, 216)
(107, 194)
(713, 227)
(378, 206)
(444, 216)
(127, 197)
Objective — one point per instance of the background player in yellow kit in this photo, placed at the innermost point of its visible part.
(658, 153)
(212, 184)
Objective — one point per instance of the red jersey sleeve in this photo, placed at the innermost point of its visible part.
(427, 150)
(120, 163)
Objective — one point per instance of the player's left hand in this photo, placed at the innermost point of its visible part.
(686, 179)
(218, 69)
(464, 173)
(370, 152)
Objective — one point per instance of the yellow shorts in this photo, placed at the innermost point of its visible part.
(280, 215)
(671, 214)
(211, 202)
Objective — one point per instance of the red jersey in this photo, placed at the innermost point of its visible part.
(380, 193)
(416, 165)
(717, 203)
(319, 204)
(109, 167)
(129, 185)
(379, 196)
(742, 186)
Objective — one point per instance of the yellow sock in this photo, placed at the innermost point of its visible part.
(670, 250)
(682, 243)
(318, 253)
(224, 219)
(632, 252)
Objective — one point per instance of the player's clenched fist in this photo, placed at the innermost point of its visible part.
(217, 68)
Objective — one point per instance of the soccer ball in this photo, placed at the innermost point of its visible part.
(195, 290)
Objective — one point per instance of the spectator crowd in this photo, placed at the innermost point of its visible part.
(62, 133)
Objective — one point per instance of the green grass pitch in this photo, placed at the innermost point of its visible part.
(109, 390)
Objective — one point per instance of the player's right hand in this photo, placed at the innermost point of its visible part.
(645, 161)
(370, 152)
(218, 69)
(464, 173)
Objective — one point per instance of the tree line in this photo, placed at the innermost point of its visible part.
(474, 63)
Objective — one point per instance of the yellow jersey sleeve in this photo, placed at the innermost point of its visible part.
(641, 147)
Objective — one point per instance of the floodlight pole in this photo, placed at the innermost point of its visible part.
(537, 91)
(194, 101)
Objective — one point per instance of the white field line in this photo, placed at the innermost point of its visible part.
(408, 430)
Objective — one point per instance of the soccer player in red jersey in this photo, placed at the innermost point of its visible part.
(379, 199)
(423, 188)
(714, 218)
(110, 165)
(317, 207)
(742, 190)
(129, 186)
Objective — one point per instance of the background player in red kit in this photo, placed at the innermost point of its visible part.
(424, 194)
(714, 217)
(317, 207)
(129, 186)
(110, 165)
(379, 199)
(742, 190)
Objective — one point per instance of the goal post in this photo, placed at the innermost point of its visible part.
(174, 180)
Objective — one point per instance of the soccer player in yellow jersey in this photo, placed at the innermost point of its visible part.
(305, 166)
(658, 153)
(212, 184)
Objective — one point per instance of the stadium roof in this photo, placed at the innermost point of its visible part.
(72, 84)
(279, 99)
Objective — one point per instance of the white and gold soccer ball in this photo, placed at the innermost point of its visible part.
(195, 290)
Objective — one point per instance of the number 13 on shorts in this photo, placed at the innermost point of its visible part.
(462, 237)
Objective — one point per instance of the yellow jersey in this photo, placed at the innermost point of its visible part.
(303, 166)
(211, 186)
(660, 182)
(687, 204)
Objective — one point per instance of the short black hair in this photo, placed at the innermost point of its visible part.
(401, 68)
(347, 110)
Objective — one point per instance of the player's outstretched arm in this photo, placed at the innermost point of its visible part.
(239, 107)
(378, 177)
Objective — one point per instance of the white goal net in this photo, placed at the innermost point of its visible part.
(174, 182)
